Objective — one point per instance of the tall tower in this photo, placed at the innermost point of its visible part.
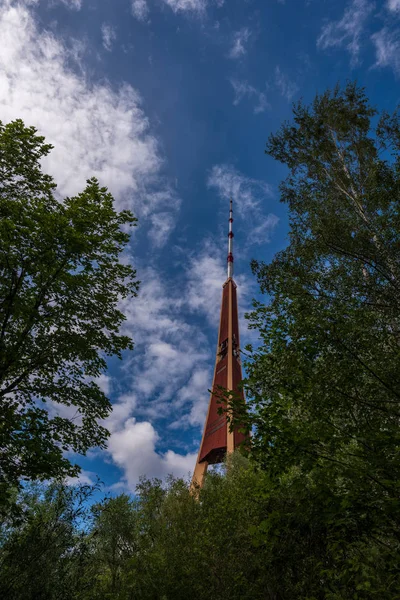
(217, 440)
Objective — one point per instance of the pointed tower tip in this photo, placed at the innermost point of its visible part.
(230, 241)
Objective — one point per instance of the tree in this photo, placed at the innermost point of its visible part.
(46, 554)
(324, 382)
(61, 279)
(113, 545)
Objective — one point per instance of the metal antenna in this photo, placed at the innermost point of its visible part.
(230, 242)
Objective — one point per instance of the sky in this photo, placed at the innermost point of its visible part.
(169, 103)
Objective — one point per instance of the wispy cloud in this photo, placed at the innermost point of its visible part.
(194, 6)
(208, 265)
(387, 47)
(166, 356)
(167, 379)
(348, 31)
(109, 35)
(240, 39)
(162, 224)
(285, 86)
(140, 9)
(393, 5)
(247, 193)
(84, 478)
(249, 196)
(72, 4)
(242, 90)
(196, 388)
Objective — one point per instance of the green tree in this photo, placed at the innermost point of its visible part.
(324, 383)
(45, 555)
(165, 544)
(201, 547)
(61, 279)
(113, 545)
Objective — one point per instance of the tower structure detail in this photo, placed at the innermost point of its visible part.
(218, 439)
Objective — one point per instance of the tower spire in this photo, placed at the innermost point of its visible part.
(230, 242)
(219, 438)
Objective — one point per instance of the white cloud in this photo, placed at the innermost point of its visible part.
(169, 350)
(122, 410)
(134, 450)
(242, 89)
(263, 230)
(72, 4)
(84, 478)
(154, 310)
(166, 380)
(109, 36)
(95, 130)
(240, 39)
(162, 225)
(195, 6)
(104, 383)
(196, 391)
(248, 195)
(393, 5)
(348, 30)
(387, 47)
(209, 268)
(140, 9)
(286, 88)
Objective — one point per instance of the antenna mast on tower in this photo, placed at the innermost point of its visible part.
(230, 241)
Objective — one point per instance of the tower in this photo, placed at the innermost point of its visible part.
(217, 439)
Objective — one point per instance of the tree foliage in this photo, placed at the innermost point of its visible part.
(161, 544)
(45, 553)
(324, 382)
(61, 278)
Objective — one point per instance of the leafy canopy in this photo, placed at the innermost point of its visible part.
(325, 383)
(61, 279)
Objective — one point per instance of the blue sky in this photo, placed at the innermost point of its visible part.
(169, 103)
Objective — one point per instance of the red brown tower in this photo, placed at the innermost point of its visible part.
(217, 438)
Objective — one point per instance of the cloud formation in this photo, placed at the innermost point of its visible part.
(133, 449)
(387, 47)
(206, 272)
(393, 5)
(168, 347)
(249, 196)
(240, 39)
(285, 86)
(72, 4)
(194, 6)
(242, 90)
(109, 35)
(141, 10)
(348, 31)
(167, 379)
